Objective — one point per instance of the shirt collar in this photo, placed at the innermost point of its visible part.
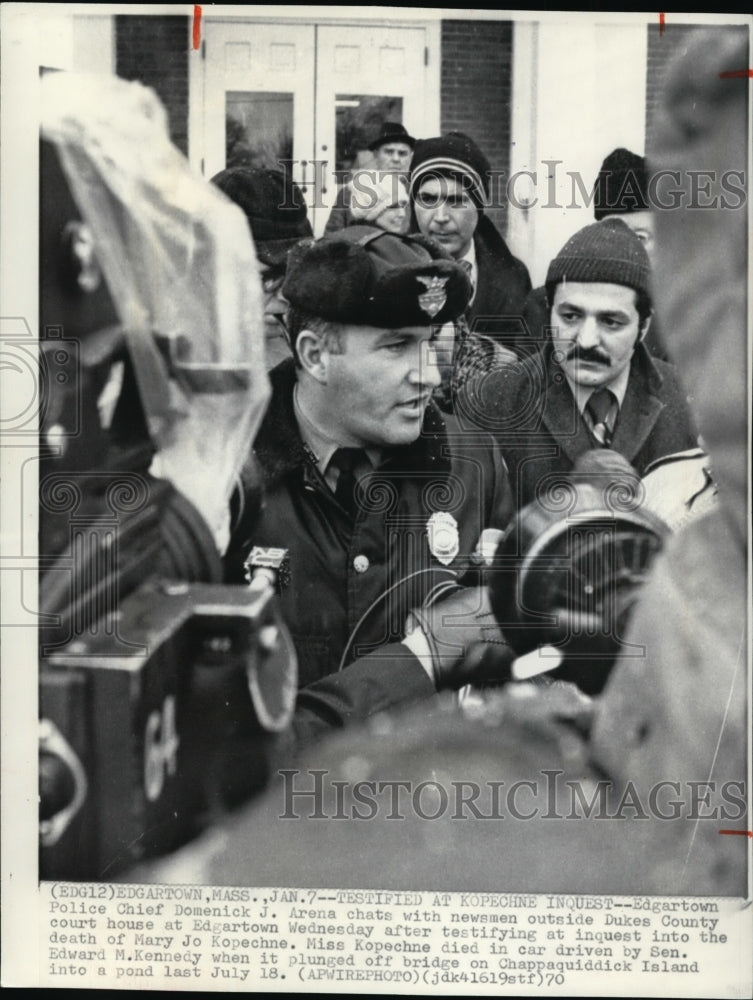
(319, 445)
(583, 393)
(279, 448)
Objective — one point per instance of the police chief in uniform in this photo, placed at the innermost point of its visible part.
(374, 494)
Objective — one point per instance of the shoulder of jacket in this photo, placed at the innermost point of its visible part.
(490, 242)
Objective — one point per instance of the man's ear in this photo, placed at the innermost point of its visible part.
(644, 328)
(313, 354)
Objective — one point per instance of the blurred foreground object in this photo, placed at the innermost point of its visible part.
(178, 262)
(679, 488)
(559, 586)
(159, 687)
(680, 713)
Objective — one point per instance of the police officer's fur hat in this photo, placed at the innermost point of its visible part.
(368, 277)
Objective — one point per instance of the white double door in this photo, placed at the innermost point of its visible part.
(309, 96)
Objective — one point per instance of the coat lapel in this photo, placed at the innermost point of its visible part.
(638, 414)
(561, 417)
(640, 408)
(493, 261)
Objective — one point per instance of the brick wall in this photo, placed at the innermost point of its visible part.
(661, 50)
(476, 89)
(155, 50)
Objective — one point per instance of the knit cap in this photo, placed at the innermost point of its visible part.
(456, 156)
(273, 205)
(604, 251)
(622, 185)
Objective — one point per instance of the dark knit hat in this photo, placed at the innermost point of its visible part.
(454, 155)
(622, 185)
(274, 206)
(368, 277)
(604, 251)
(392, 132)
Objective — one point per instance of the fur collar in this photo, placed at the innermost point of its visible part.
(280, 450)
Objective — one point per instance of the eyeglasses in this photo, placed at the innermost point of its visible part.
(282, 320)
(271, 280)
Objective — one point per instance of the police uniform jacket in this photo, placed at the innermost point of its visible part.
(349, 583)
(532, 412)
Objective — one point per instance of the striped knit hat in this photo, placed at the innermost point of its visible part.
(454, 155)
(604, 251)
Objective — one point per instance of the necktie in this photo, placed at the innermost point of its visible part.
(602, 410)
(468, 268)
(346, 460)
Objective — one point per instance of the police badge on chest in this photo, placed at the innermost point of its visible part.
(442, 536)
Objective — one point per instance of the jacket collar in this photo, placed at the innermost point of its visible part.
(488, 241)
(280, 450)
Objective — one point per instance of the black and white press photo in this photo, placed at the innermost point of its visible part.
(376, 511)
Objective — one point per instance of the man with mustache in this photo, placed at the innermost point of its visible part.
(594, 384)
(368, 490)
(620, 191)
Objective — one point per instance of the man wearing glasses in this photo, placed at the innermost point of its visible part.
(276, 212)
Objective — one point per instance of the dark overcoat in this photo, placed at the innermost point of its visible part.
(502, 287)
(530, 409)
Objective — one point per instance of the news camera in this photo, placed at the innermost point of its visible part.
(159, 687)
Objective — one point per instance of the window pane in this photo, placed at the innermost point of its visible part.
(358, 118)
(258, 129)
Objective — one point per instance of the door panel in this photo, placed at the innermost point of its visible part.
(313, 94)
(258, 94)
(366, 75)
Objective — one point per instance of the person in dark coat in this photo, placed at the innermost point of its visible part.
(594, 384)
(449, 188)
(362, 308)
(275, 209)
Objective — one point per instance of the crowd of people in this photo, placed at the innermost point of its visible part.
(501, 545)
(423, 393)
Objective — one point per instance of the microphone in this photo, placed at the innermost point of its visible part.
(267, 567)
